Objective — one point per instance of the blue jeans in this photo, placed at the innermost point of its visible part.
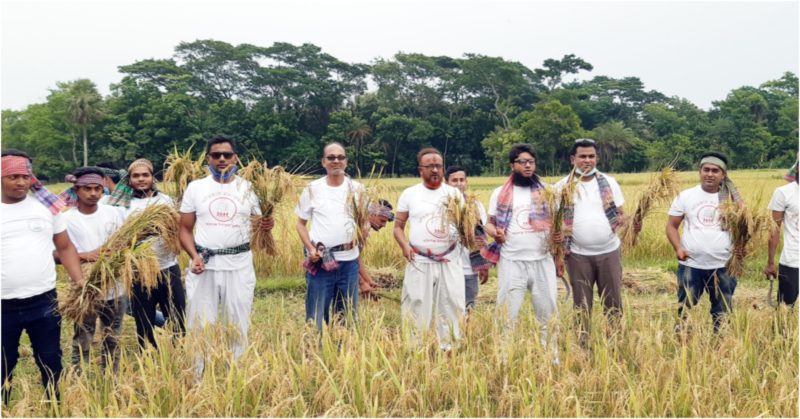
(38, 315)
(335, 291)
(720, 286)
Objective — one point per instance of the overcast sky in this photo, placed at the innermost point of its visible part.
(699, 51)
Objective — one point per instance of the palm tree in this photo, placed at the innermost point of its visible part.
(84, 109)
(358, 133)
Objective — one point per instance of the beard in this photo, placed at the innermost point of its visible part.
(519, 180)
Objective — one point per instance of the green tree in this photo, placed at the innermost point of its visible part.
(551, 127)
(84, 105)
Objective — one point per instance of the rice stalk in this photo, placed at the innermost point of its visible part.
(180, 170)
(125, 259)
(747, 228)
(663, 186)
(270, 186)
(359, 203)
(462, 212)
(557, 202)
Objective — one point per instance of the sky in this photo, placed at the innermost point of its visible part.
(695, 50)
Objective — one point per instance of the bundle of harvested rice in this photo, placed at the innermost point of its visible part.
(462, 213)
(180, 170)
(386, 277)
(747, 227)
(557, 202)
(126, 258)
(359, 202)
(270, 187)
(663, 186)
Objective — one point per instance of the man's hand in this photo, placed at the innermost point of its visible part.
(771, 271)
(681, 254)
(637, 227)
(408, 253)
(313, 255)
(500, 236)
(557, 237)
(267, 223)
(197, 265)
(90, 256)
(483, 276)
(560, 268)
(740, 253)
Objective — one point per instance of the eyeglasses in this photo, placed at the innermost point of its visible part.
(525, 162)
(340, 157)
(433, 167)
(217, 154)
(585, 140)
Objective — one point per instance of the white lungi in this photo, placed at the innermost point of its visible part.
(435, 291)
(233, 290)
(514, 278)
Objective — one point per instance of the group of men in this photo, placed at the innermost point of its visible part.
(441, 276)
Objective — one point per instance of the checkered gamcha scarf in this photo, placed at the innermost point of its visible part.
(609, 207)
(18, 165)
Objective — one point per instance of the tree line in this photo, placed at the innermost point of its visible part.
(284, 101)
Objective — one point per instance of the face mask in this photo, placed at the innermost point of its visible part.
(587, 174)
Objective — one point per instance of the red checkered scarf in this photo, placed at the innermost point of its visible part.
(18, 165)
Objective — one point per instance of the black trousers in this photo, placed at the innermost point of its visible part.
(39, 316)
(169, 295)
(787, 284)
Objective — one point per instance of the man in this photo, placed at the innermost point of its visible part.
(433, 281)
(111, 176)
(705, 246)
(784, 206)
(456, 176)
(221, 270)
(332, 264)
(519, 221)
(31, 226)
(89, 225)
(136, 192)
(380, 213)
(590, 226)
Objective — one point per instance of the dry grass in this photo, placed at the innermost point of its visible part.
(662, 188)
(271, 186)
(180, 170)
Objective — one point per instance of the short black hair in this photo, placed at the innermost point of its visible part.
(219, 139)
(518, 149)
(582, 142)
(720, 156)
(108, 165)
(425, 151)
(88, 170)
(18, 153)
(385, 203)
(453, 169)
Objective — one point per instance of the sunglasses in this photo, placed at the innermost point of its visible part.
(339, 157)
(217, 154)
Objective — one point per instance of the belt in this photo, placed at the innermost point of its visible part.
(206, 253)
(436, 257)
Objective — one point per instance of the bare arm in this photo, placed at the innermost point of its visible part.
(673, 223)
(66, 254)
(492, 230)
(400, 235)
(302, 231)
(188, 219)
(772, 245)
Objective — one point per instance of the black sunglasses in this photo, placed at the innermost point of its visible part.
(339, 157)
(218, 154)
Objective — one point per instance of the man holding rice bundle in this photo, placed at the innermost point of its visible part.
(433, 281)
(380, 213)
(591, 244)
(332, 265)
(136, 191)
(31, 227)
(784, 206)
(519, 221)
(89, 225)
(456, 176)
(705, 246)
(221, 271)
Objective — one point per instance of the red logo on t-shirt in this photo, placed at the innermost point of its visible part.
(707, 215)
(522, 218)
(223, 209)
(437, 227)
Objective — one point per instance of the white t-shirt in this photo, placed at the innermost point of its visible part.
(326, 207)
(165, 258)
(522, 243)
(465, 263)
(426, 216)
(27, 231)
(785, 199)
(709, 246)
(223, 212)
(591, 232)
(88, 232)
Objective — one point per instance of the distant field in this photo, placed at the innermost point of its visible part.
(646, 369)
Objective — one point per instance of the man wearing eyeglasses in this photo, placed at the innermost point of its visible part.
(331, 256)
(590, 226)
(433, 281)
(221, 270)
